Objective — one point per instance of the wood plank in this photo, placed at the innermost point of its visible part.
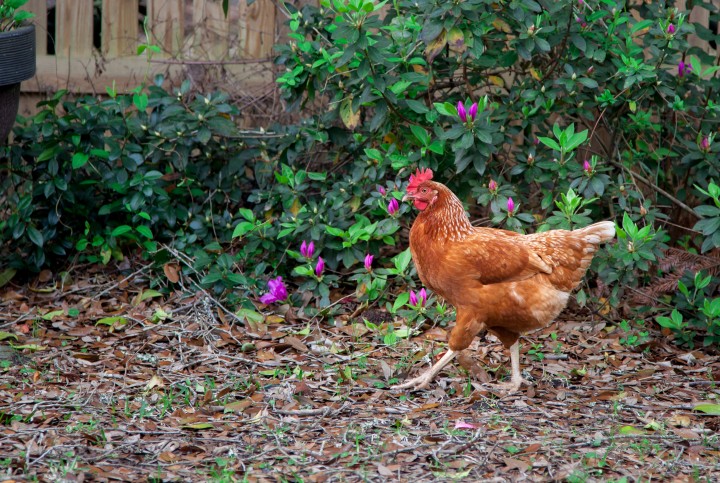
(39, 8)
(92, 76)
(74, 28)
(210, 31)
(257, 29)
(167, 24)
(120, 27)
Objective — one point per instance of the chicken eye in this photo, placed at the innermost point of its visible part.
(423, 190)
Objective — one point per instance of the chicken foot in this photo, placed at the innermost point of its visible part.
(426, 377)
(516, 379)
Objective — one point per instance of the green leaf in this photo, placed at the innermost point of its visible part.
(35, 236)
(7, 335)
(140, 101)
(7, 275)
(446, 109)
(120, 321)
(707, 408)
(121, 230)
(401, 301)
(52, 314)
(79, 160)
(149, 294)
(549, 142)
(144, 231)
(420, 134)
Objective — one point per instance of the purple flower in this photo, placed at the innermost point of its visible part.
(683, 69)
(307, 250)
(381, 190)
(278, 291)
(510, 205)
(462, 114)
(393, 206)
(705, 144)
(492, 186)
(320, 266)
(671, 29)
(536, 141)
(473, 111)
(418, 299)
(586, 166)
(368, 262)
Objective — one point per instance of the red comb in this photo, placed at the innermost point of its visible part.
(421, 175)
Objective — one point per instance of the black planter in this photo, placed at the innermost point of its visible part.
(17, 63)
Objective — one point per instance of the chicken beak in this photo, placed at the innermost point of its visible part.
(407, 196)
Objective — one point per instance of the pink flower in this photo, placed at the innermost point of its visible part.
(320, 266)
(586, 166)
(278, 291)
(536, 141)
(492, 186)
(705, 144)
(422, 295)
(307, 250)
(418, 299)
(473, 111)
(462, 114)
(381, 190)
(671, 29)
(510, 205)
(683, 69)
(393, 206)
(368, 262)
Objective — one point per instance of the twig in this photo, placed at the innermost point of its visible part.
(657, 188)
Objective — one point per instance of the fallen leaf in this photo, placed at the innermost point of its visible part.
(172, 272)
(712, 409)
(155, 381)
(463, 425)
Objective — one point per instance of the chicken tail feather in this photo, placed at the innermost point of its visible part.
(597, 232)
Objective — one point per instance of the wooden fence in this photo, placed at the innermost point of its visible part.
(87, 45)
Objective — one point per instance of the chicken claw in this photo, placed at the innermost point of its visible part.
(424, 379)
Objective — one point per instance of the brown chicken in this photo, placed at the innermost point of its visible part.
(498, 280)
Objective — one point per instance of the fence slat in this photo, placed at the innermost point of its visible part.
(119, 27)
(257, 29)
(74, 28)
(211, 30)
(167, 24)
(39, 8)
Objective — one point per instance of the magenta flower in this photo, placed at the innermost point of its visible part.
(368, 262)
(307, 250)
(393, 206)
(536, 141)
(510, 205)
(586, 166)
(320, 266)
(705, 144)
(278, 291)
(671, 29)
(492, 186)
(473, 111)
(683, 69)
(462, 113)
(418, 299)
(381, 190)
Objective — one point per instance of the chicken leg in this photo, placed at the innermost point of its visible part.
(516, 379)
(424, 379)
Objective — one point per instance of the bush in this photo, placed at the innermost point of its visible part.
(577, 110)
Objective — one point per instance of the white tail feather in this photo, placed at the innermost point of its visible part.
(599, 232)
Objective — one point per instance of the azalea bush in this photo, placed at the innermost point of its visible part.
(538, 114)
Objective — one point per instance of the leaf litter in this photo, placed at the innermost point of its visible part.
(105, 379)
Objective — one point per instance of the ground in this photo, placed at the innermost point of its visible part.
(111, 381)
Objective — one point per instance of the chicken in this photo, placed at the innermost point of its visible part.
(498, 280)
